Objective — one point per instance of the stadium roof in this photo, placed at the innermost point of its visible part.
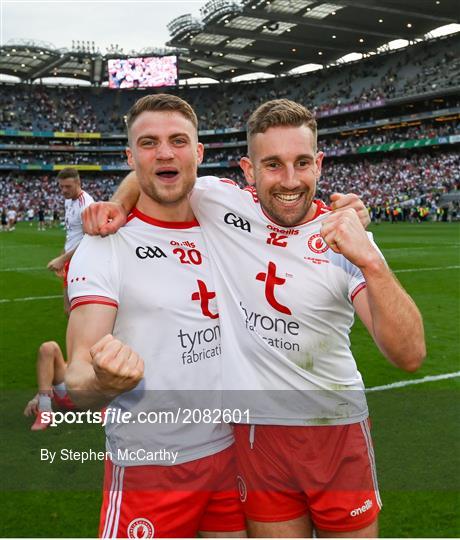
(234, 38)
(275, 36)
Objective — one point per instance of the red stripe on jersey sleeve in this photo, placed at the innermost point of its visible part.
(357, 290)
(253, 192)
(228, 181)
(84, 300)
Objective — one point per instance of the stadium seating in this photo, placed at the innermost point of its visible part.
(389, 126)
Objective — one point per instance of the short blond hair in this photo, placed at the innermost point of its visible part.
(280, 112)
(161, 102)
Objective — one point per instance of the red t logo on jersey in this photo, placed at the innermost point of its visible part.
(271, 279)
(203, 295)
(276, 239)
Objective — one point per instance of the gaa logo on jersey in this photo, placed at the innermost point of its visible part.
(140, 528)
(317, 244)
(237, 221)
(144, 252)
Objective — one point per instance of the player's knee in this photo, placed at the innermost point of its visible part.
(48, 348)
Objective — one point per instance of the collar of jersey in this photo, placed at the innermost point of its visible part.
(136, 213)
(321, 208)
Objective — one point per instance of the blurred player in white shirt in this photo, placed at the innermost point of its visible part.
(76, 200)
(30, 216)
(12, 217)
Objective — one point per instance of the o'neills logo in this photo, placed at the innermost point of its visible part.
(317, 244)
(364, 508)
(140, 528)
(287, 232)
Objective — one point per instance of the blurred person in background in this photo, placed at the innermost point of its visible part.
(51, 368)
(11, 216)
(76, 200)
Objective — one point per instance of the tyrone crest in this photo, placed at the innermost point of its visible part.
(140, 528)
(317, 244)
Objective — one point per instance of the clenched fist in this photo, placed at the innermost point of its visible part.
(350, 200)
(117, 367)
(343, 232)
(103, 218)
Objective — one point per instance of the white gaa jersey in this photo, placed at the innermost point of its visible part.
(157, 275)
(73, 225)
(285, 302)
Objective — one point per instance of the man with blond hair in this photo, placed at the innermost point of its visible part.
(150, 286)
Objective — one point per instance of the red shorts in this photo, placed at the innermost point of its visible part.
(171, 501)
(66, 273)
(325, 471)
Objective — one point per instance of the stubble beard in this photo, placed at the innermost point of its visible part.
(283, 216)
(166, 196)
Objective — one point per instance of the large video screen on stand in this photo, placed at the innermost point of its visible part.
(151, 72)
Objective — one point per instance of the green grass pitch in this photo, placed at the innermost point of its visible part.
(415, 428)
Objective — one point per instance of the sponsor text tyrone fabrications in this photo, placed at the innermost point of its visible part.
(196, 346)
(258, 323)
(140, 454)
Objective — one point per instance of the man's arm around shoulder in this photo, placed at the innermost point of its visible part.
(103, 218)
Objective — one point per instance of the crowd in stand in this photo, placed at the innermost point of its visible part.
(32, 191)
(381, 182)
(346, 144)
(322, 93)
(350, 143)
(389, 179)
(229, 105)
(35, 108)
(52, 158)
(394, 181)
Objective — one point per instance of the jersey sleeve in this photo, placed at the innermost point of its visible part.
(204, 186)
(356, 281)
(87, 200)
(93, 274)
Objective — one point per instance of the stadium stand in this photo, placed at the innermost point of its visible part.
(427, 67)
(389, 126)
